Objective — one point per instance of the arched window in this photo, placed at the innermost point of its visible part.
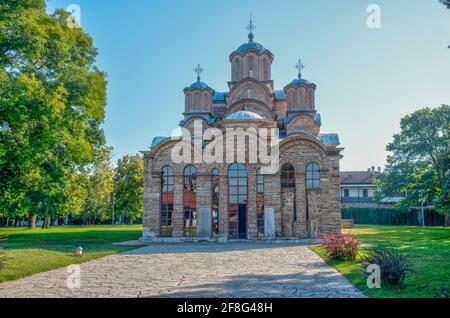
(311, 99)
(240, 69)
(196, 105)
(237, 201)
(251, 67)
(304, 96)
(237, 69)
(186, 102)
(287, 176)
(291, 99)
(265, 70)
(215, 201)
(260, 202)
(288, 184)
(189, 200)
(298, 102)
(205, 104)
(167, 191)
(312, 176)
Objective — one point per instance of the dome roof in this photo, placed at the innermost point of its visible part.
(199, 84)
(299, 81)
(243, 115)
(250, 46)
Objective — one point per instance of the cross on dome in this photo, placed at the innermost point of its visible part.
(300, 66)
(251, 27)
(199, 71)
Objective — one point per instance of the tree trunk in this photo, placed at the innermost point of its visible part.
(131, 221)
(7, 221)
(447, 220)
(32, 224)
(46, 223)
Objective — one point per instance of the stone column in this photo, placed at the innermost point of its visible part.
(330, 198)
(301, 225)
(252, 230)
(178, 210)
(152, 203)
(269, 223)
(272, 198)
(287, 211)
(223, 205)
(204, 221)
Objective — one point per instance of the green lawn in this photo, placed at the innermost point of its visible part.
(428, 250)
(33, 251)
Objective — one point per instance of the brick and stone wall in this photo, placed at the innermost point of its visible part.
(317, 210)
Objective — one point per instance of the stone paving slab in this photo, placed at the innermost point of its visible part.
(240, 270)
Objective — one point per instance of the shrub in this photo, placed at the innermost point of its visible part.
(340, 246)
(443, 293)
(393, 265)
(391, 216)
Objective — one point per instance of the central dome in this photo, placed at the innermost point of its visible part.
(250, 46)
(243, 115)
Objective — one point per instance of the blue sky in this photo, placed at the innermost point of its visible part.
(367, 79)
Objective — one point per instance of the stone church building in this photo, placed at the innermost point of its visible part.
(237, 201)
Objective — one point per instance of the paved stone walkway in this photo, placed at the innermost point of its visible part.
(195, 270)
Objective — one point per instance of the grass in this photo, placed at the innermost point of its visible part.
(427, 249)
(31, 251)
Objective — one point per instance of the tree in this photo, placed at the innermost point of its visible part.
(52, 101)
(447, 4)
(129, 187)
(418, 164)
(98, 184)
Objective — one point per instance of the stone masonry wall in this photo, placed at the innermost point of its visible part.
(323, 204)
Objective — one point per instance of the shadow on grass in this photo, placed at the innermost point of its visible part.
(64, 239)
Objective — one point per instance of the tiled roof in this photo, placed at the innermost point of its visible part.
(250, 46)
(329, 139)
(219, 96)
(280, 94)
(157, 140)
(300, 81)
(357, 177)
(198, 84)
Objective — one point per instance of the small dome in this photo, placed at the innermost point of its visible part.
(199, 84)
(250, 46)
(156, 141)
(300, 81)
(243, 115)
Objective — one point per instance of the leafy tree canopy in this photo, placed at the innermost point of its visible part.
(129, 187)
(52, 100)
(418, 163)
